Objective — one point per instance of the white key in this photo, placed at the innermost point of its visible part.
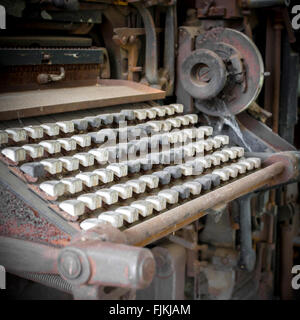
(208, 145)
(90, 223)
(91, 200)
(182, 137)
(85, 159)
(231, 153)
(16, 134)
(72, 185)
(199, 147)
(249, 164)
(185, 121)
(200, 133)
(119, 169)
(215, 142)
(240, 151)
(124, 190)
(178, 107)
(224, 140)
(140, 114)
(190, 133)
(175, 123)
(195, 187)
(66, 126)
(155, 125)
(159, 203)
(74, 208)
(256, 162)
(68, 144)
(204, 161)
(83, 140)
(151, 113)
(51, 146)
(224, 174)
(151, 181)
(53, 188)
(145, 208)
(34, 150)
(70, 163)
(53, 166)
(101, 155)
(215, 159)
(3, 137)
(89, 179)
(161, 112)
(114, 218)
(108, 196)
(138, 186)
(15, 154)
(173, 137)
(52, 129)
(170, 110)
(105, 175)
(233, 172)
(241, 167)
(34, 132)
(166, 126)
(186, 169)
(189, 150)
(223, 155)
(171, 196)
(192, 117)
(208, 131)
(130, 214)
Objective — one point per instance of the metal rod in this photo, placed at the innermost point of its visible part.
(174, 219)
(151, 44)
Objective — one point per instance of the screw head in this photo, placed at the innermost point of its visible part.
(70, 265)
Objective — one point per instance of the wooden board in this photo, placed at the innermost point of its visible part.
(18, 105)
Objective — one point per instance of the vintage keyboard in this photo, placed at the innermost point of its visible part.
(120, 168)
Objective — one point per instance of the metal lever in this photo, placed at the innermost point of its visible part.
(247, 254)
(45, 78)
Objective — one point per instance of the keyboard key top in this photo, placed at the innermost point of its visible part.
(130, 214)
(90, 179)
(67, 144)
(53, 166)
(145, 208)
(51, 146)
(70, 163)
(74, 208)
(72, 185)
(15, 154)
(16, 134)
(34, 150)
(124, 190)
(114, 218)
(51, 129)
(53, 188)
(109, 196)
(91, 200)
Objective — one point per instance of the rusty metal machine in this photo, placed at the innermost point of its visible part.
(149, 149)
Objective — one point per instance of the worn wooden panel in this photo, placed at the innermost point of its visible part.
(43, 102)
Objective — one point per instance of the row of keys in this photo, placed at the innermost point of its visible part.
(94, 122)
(176, 155)
(52, 147)
(125, 191)
(159, 202)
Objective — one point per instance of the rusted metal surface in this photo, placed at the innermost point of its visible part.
(244, 78)
(20, 221)
(176, 218)
(260, 137)
(106, 93)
